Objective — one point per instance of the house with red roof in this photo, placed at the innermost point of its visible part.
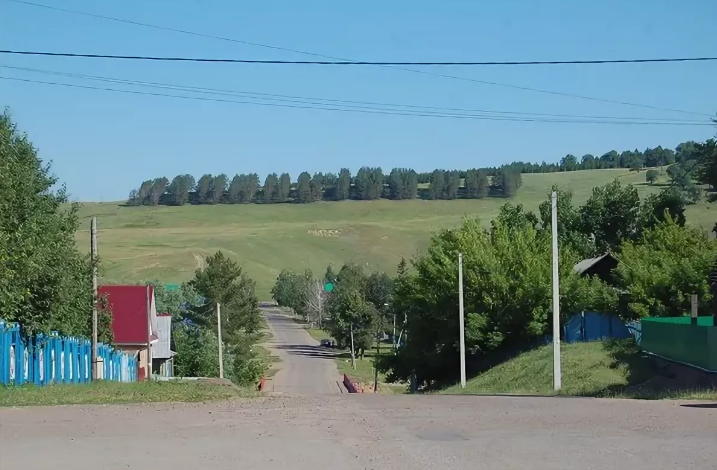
(137, 329)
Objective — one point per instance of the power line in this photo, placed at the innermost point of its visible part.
(363, 111)
(324, 101)
(296, 51)
(328, 62)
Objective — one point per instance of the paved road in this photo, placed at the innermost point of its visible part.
(306, 368)
(352, 432)
(311, 426)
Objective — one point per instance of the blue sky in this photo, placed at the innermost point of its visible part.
(104, 144)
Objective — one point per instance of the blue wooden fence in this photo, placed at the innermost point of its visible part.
(54, 359)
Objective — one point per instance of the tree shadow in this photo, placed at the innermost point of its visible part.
(649, 377)
(309, 351)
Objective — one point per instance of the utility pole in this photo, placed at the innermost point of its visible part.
(393, 337)
(219, 335)
(93, 251)
(375, 363)
(353, 354)
(461, 320)
(148, 370)
(557, 379)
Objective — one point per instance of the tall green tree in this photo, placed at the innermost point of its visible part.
(569, 163)
(507, 297)
(343, 185)
(142, 196)
(159, 187)
(303, 188)
(180, 188)
(662, 270)
(438, 184)
(284, 188)
(706, 157)
(270, 188)
(317, 187)
(349, 311)
(203, 188)
(217, 188)
(611, 215)
(45, 282)
(223, 281)
(453, 183)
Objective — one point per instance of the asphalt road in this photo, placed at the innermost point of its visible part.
(306, 368)
(311, 425)
(351, 432)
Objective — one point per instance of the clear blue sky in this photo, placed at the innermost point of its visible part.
(104, 144)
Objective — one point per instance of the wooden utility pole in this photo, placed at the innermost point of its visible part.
(353, 354)
(461, 321)
(557, 378)
(219, 337)
(93, 253)
(148, 369)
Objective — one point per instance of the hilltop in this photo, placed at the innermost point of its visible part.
(168, 243)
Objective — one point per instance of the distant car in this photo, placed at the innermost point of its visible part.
(327, 343)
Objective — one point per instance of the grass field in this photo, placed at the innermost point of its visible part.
(167, 243)
(604, 369)
(118, 393)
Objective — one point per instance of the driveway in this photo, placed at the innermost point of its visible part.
(306, 368)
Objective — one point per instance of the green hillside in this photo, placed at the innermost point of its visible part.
(168, 243)
(603, 369)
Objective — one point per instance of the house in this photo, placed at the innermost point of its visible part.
(600, 266)
(136, 327)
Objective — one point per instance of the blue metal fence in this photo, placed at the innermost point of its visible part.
(54, 359)
(594, 326)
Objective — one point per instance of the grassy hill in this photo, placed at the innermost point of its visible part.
(605, 369)
(168, 243)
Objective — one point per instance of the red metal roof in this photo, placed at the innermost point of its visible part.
(128, 305)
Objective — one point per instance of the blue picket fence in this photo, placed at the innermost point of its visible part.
(54, 359)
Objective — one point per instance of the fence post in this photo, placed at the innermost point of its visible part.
(66, 359)
(19, 359)
(58, 359)
(36, 360)
(47, 362)
(4, 355)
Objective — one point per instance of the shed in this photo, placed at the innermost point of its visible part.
(600, 266)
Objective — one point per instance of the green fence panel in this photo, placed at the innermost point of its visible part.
(679, 340)
(701, 321)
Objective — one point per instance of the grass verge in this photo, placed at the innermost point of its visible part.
(611, 369)
(119, 393)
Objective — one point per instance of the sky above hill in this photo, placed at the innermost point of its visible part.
(102, 144)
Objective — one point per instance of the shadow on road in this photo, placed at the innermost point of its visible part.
(308, 351)
(699, 405)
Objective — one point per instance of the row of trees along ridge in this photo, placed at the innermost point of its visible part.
(371, 183)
